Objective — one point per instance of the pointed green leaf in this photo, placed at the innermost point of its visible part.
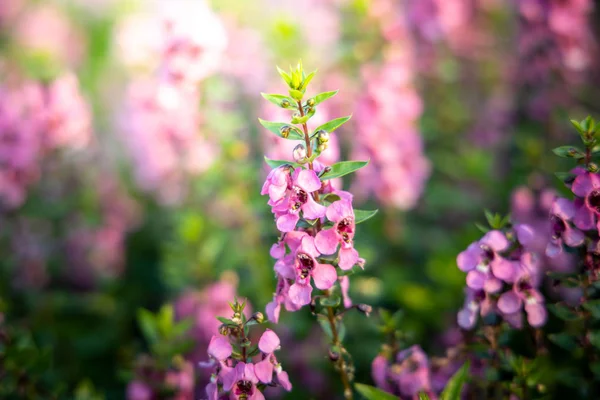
(373, 393)
(148, 326)
(482, 228)
(593, 306)
(279, 163)
(454, 386)
(563, 340)
(563, 311)
(279, 100)
(568, 152)
(363, 215)
(286, 77)
(423, 396)
(333, 124)
(307, 80)
(226, 321)
(577, 126)
(343, 168)
(321, 97)
(275, 127)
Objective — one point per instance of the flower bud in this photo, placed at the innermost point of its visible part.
(334, 355)
(322, 137)
(245, 342)
(224, 330)
(258, 317)
(285, 104)
(285, 131)
(299, 153)
(310, 102)
(592, 167)
(322, 147)
(365, 309)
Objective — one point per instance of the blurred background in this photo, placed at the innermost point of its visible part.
(131, 162)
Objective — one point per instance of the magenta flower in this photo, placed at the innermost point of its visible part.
(219, 348)
(244, 386)
(587, 186)
(342, 215)
(379, 370)
(484, 265)
(412, 375)
(306, 266)
(562, 212)
(268, 344)
(280, 297)
(524, 293)
(304, 183)
(467, 317)
(277, 184)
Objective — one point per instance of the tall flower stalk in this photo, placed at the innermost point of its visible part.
(316, 220)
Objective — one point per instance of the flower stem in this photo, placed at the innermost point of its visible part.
(341, 362)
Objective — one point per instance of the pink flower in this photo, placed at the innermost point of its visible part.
(277, 184)
(413, 374)
(268, 344)
(245, 381)
(219, 348)
(280, 297)
(138, 390)
(587, 187)
(562, 212)
(299, 198)
(342, 215)
(306, 266)
(484, 265)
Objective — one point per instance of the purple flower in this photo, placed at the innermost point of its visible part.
(268, 343)
(562, 212)
(219, 348)
(277, 183)
(587, 187)
(524, 294)
(299, 197)
(244, 387)
(484, 265)
(379, 370)
(411, 372)
(306, 266)
(327, 241)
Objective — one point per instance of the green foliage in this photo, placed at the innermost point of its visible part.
(279, 128)
(342, 168)
(372, 393)
(453, 388)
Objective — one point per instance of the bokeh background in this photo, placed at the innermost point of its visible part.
(131, 162)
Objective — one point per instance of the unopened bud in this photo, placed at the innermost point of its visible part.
(322, 147)
(592, 167)
(310, 102)
(246, 342)
(334, 355)
(285, 131)
(299, 153)
(365, 308)
(258, 317)
(224, 330)
(237, 318)
(323, 137)
(285, 104)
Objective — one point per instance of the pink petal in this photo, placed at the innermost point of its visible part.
(287, 222)
(327, 241)
(273, 309)
(308, 246)
(284, 380)
(582, 185)
(257, 395)
(348, 258)
(584, 218)
(339, 210)
(525, 234)
(345, 287)
(308, 180)
(269, 342)
(515, 320)
(495, 240)
(509, 302)
(284, 267)
(563, 208)
(293, 239)
(229, 377)
(245, 372)
(468, 259)
(554, 248)
(503, 269)
(476, 279)
(277, 250)
(264, 370)
(466, 318)
(492, 285)
(219, 348)
(379, 368)
(536, 314)
(300, 294)
(573, 237)
(324, 276)
(212, 391)
(276, 193)
(312, 209)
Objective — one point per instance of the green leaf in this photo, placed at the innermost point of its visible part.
(455, 384)
(372, 393)
(307, 80)
(148, 325)
(568, 152)
(563, 311)
(275, 127)
(423, 396)
(565, 177)
(331, 301)
(165, 320)
(563, 340)
(279, 163)
(363, 215)
(482, 228)
(594, 338)
(577, 126)
(226, 321)
(296, 94)
(286, 77)
(333, 124)
(593, 306)
(343, 168)
(321, 97)
(324, 322)
(278, 99)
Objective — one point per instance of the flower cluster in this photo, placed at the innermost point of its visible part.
(386, 119)
(408, 375)
(36, 119)
(503, 278)
(162, 115)
(241, 369)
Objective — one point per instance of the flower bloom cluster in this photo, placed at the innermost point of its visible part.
(407, 375)
(178, 381)
(36, 119)
(386, 120)
(503, 278)
(241, 378)
(162, 115)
